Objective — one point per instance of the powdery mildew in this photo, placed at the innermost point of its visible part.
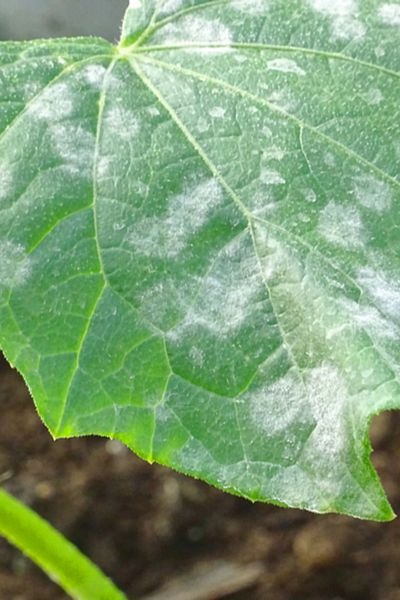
(285, 65)
(171, 6)
(341, 226)
(372, 193)
(274, 407)
(196, 29)
(344, 17)
(217, 112)
(373, 96)
(94, 75)
(55, 103)
(271, 177)
(186, 214)
(6, 181)
(384, 290)
(370, 320)
(254, 8)
(228, 296)
(15, 265)
(75, 146)
(389, 14)
(318, 395)
(328, 399)
(122, 122)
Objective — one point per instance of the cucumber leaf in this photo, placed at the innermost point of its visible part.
(199, 240)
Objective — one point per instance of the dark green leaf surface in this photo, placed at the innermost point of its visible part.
(199, 239)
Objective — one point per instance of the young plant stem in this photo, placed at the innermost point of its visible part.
(60, 559)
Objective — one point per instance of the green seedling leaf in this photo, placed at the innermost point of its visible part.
(199, 240)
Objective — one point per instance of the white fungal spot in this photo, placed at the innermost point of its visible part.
(15, 265)
(271, 177)
(328, 397)
(384, 291)
(171, 6)
(273, 153)
(105, 166)
(55, 103)
(94, 75)
(254, 8)
(217, 112)
(275, 407)
(135, 4)
(344, 17)
(122, 123)
(186, 214)
(6, 181)
(370, 320)
(319, 395)
(75, 146)
(342, 226)
(372, 193)
(310, 195)
(389, 14)
(196, 29)
(285, 66)
(329, 159)
(231, 294)
(373, 96)
(153, 111)
(335, 8)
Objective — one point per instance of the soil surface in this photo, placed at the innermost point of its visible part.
(148, 527)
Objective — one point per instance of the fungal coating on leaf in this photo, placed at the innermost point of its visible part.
(199, 240)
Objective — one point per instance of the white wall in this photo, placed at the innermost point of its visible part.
(28, 19)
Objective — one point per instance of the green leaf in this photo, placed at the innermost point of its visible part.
(199, 240)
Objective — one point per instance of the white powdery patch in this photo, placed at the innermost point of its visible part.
(373, 193)
(217, 112)
(153, 111)
(389, 14)
(319, 394)
(373, 96)
(282, 98)
(75, 146)
(194, 29)
(94, 75)
(227, 305)
(384, 291)
(342, 226)
(271, 177)
(310, 195)
(55, 103)
(275, 407)
(285, 65)
(328, 398)
(6, 181)
(253, 8)
(171, 6)
(370, 320)
(15, 265)
(121, 122)
(230, 295)
(273, 153)
(343, 15)
(186, 214)
(279, 262)
(335, 8)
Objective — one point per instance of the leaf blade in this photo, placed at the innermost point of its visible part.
(234, 255)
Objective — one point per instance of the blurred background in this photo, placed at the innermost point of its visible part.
(159, 535)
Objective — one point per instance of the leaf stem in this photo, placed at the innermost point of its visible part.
(60, 559)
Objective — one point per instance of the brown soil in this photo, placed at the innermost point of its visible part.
(147, 526)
